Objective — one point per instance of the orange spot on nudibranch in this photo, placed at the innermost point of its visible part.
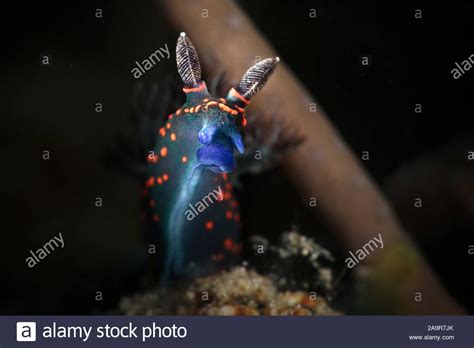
(239, 108)
(198, 108)
(222, 100)
(165, 177)
(209, 225)
(150, 182)
(229, 244)
(162, 131)
(178, 112)
(159, 180)
(170, 116)
(227, 195)
(168, 125)
(184, 159)
(236, 217)
(228, 215)
(164, 151)
(211, 103)
(244, 121)
(205, 100)
(173, 136)
(227, 109)
(152, 158)
(186, 110)
(233, 203)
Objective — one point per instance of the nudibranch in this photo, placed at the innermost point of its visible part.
(192, 211)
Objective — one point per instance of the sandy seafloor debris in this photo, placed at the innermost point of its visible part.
(289, 280)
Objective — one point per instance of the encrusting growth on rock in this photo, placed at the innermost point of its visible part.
(236, 292)
(293, 278)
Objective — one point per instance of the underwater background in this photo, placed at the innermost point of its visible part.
(53, 108)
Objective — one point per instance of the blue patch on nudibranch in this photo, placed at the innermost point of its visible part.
(218, 156)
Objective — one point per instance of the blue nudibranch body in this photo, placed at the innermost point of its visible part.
(191, 209)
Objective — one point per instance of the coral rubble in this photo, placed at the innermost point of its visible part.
(236, 292)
